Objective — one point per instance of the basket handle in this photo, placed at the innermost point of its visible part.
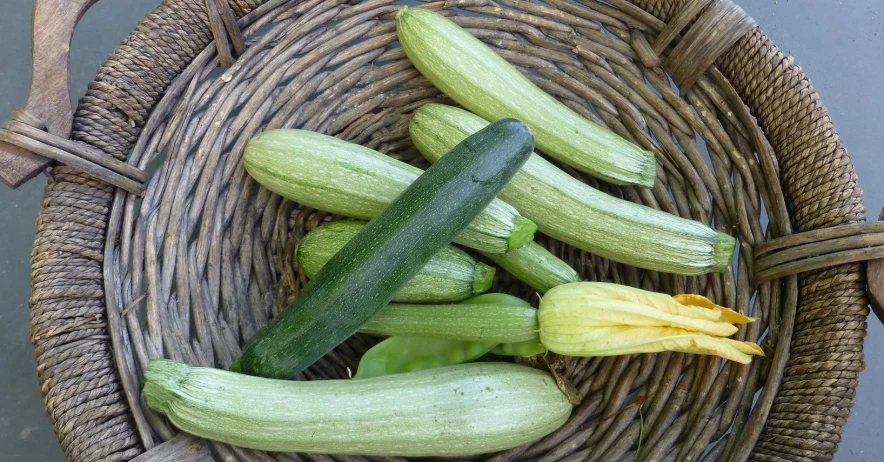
(38, 134)
(182, 448)
(875, 276)
(825, 248)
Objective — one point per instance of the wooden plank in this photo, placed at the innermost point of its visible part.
(80, 149)
(875, 275)
(182, 448)
(72, 160)
(49, 99)
(219, 32)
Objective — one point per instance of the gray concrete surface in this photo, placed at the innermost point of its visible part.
(839, 44)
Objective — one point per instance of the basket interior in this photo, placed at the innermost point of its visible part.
(206, 258)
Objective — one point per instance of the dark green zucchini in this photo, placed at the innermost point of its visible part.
(370, 269)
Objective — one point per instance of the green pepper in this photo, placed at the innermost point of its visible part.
(396, 355)
(495, 299)
(526, 348)
(400, 354)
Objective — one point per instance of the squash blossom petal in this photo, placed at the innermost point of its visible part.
(601, 319)
(727, 314)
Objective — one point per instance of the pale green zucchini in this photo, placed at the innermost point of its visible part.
(330, 174)
(501, 323)
(453, 411)
(450, 276)
(535, 266)
(479, 79)
(575, 213)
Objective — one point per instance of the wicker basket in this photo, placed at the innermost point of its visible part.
(205, 257)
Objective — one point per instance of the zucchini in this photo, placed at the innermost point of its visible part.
(499, 323)
(535, 266)
(368, 271)
(399, 354)
(471, 73)
(450, 276)
(330, 174)
(452, 411)
(575, 213)
(495, 299)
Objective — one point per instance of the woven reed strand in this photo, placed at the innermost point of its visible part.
(205, 259)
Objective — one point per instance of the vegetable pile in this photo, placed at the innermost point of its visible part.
(373, 266)
(417, 392)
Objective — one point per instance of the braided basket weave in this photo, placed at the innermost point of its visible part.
(205, 258)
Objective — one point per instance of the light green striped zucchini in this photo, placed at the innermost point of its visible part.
(535, 266)
(573, 212)
(475, 76)
(450, 276)
(398, 354)
(501, 323)
(453, 411)
(330, 174)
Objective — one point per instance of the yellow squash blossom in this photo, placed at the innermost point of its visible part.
(601, 319)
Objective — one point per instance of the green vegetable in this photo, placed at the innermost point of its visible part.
(496, 299)
(486, 323)
(400, 354)
(396, 355)
(330, 174)
(475, 76)
(527, 348)
(573, 212)
(368, 271)
(453, 411)
(450, 276)
(535, 266)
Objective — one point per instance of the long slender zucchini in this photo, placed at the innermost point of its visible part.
(535, 266)
(450, 276)
(488, 323)
(368, 271)
(452, 411)
(330, 174)
(472, 74)
(573, 212)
